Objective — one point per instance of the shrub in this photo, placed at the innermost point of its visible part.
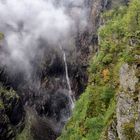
(107, 59)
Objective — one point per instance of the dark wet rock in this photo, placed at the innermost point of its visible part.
(55, 106)
(11, 114)
(42, 131)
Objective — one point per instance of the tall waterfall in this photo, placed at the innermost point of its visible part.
(67, 77)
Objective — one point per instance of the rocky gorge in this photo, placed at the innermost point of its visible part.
(97, 67)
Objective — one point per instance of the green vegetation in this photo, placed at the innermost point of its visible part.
(9, 96)
(129, 131)
(1, 36)
(11, 93)
(25, 134)
(119, 43)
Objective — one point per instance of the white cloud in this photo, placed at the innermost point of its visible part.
(24, 22)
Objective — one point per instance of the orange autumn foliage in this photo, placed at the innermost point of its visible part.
(105, 74)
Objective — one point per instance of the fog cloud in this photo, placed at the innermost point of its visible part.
(25, 22)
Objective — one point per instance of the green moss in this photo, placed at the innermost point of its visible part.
(25, 135)
(10, 93)
(107, 59)
(110, 112)
(129, 130)
(9, 96)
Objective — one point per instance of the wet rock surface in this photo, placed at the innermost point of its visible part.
(12, 115)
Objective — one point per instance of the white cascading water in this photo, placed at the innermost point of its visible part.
(67, 77)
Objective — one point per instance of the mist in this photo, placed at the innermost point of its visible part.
(25, 23)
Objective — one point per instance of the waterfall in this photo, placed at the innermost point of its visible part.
(67, 77)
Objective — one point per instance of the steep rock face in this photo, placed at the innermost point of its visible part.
(127, 103)
(112, 131)
(127, 109)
